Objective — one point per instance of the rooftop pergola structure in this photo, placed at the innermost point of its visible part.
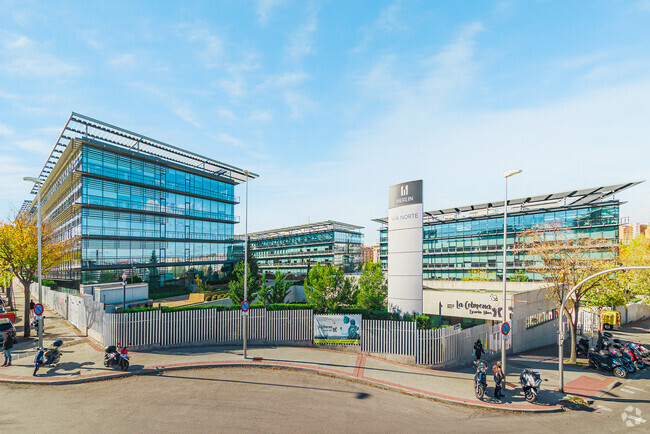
(570, 198)
(307, 228)
(82, 127)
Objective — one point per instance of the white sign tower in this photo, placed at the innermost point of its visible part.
(405, 247)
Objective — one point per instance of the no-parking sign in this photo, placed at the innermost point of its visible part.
(505, 329)
(38, 309)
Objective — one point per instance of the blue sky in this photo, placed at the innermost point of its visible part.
(332, 102)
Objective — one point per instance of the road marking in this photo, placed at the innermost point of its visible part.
(627, 391)
(634, 388)
(602, 407)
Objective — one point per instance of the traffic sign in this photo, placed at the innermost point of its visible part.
(505, 328)
(38, 309)
(245, 306)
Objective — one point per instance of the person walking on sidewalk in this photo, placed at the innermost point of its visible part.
(498, 378)
(478, 349)
(31, 308)
(7, 345)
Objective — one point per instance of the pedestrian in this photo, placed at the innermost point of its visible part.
(498, 378)
(478, 349)
(7, 345)
(31, 307)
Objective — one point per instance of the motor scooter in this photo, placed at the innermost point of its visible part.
(51, 355)
(480, 379)
(530, 383)
(113, 357)
(608, 362)
(582, 347)
(632, 354)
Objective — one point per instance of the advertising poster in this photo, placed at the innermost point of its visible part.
(337, 329)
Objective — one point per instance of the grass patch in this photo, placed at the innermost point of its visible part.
(573, 402)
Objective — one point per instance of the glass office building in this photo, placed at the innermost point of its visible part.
(463, 242)
(135, 204)
(295, 249)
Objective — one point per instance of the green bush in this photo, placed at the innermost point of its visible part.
(370, 314)
(423, 322)
(50, 283)
(287, 306)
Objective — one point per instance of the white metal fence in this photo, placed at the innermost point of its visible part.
(446, 346)
(392, 337)
(449, 347)
(206, 325)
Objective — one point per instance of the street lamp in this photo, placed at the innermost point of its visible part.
(123, 290)
(40, 269)
(245, 317)
(506, 175)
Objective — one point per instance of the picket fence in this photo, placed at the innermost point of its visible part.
(446, 346)
(157, 328)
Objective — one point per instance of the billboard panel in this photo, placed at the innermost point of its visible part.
(337, 329)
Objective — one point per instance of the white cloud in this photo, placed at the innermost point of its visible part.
(288, 79)
(260, 116)
(263, 9)
(211, 46)
(39, 146)
(299, 105)
(180, 108)
(225, 113)
(5, 131)
(301, 42)
(226, 138)
(22, 56)
(123, 61)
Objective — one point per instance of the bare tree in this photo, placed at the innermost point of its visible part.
(563, 258)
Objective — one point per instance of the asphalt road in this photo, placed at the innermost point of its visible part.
(273, 400)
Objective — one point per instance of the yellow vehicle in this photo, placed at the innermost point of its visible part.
(611, 319)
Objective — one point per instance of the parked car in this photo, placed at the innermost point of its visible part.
(11, 316)
(8, 327)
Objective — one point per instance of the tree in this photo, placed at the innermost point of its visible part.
(5, 278)
(373, 288)
(637, 253)
(564, 259)
(277, 291)
(327, 288)
(19, 250)
(609, 294)
(236, 286)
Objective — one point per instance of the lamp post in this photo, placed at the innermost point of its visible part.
(245, 317)
(506, 175)
(40, 265)
(124, 290)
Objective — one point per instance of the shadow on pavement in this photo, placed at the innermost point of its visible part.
(358, 395)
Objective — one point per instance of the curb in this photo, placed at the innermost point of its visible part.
(612, 385)
(289, 366)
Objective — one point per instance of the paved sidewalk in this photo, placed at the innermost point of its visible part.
(82, 361)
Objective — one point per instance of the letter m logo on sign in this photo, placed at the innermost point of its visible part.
(404, 190)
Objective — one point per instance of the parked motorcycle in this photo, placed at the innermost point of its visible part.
(582, 347)
(113, 357)
(530, 383)
(607, 362)
(631, 354)
(616, 351)
(47, 356)
(480, 378)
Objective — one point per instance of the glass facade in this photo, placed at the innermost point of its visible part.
(126, 210)
(295, 250)
(458, 248)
